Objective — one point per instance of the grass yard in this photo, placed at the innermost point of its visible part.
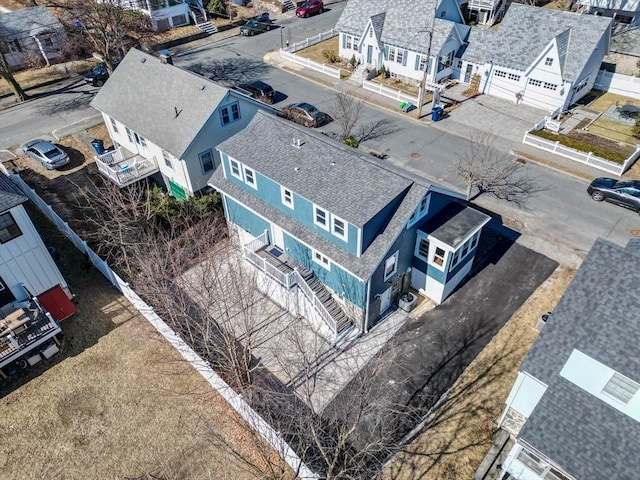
(460, 432)
(316, 54)
(613, 130)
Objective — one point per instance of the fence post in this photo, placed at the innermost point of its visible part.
(555, 147)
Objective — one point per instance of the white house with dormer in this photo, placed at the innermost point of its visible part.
(166, 121)
(574, 409)
(541, 57)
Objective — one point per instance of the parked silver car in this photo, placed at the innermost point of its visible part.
(46, 153)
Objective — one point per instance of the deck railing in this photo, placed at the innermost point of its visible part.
(326, 317)
(36, 333)
(123, 171)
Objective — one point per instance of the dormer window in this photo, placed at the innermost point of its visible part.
(287, 197)
(320, 218)
(339, 228)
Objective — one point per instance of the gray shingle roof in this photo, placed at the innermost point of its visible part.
(145, 94)
(406, 22)
(28, 22)
(10, 194)
(599, 315)
(454, 223)
(329, 174)
(526, 31)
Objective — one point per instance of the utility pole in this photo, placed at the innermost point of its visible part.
(423, 82)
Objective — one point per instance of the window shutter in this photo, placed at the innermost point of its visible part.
(404, 58)
(417, 67)
(344, 40)
(386, 51)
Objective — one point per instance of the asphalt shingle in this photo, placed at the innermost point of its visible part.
(28, 22)
(10, 194)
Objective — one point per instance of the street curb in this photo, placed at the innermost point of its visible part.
(76, 127)
(583, 177)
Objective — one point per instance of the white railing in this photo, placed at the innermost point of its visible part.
(616, 83)
(284, 279)
(587, 158)
(124, 174)
(259, 242)
(307, 42)
(318, 305)
(484, 4)
(389, 92)
(319, 67)
(272, 436)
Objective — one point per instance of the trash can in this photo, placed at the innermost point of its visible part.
(436, 113)
(98, 145)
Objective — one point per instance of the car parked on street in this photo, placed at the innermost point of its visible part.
(310, 7)
(99, 74)
(258, 25)
(259, 90)
(304, 114)
(45, 152)
(621, 192)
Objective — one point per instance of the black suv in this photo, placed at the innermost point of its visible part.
(259, 90)
(99, 74)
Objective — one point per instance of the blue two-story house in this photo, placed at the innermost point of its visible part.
(339, 235)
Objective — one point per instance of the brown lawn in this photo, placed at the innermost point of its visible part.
(460, 432)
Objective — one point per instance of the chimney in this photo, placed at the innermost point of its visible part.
(165, 57)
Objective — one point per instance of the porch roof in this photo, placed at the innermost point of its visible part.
(10, 194)
(454, 224)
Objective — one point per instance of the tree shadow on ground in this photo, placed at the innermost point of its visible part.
(231, 71)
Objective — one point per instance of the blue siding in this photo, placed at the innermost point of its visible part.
(450, 10)
(338, 279)
(468, 258)
(438, 275)
(244, 218)
(269, 192)
(378, 223)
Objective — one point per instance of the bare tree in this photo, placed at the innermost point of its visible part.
(483, 166)
(346, 111)
(103, 27)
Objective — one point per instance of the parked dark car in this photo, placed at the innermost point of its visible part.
(310, 8)
(46, 153)
(304, 114)
(99, 74)
(259, 90)
(259, 25)
(621, 192)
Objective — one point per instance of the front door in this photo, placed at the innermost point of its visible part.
(369, 54)
(467, 73)
(385, 300)
(5, 294)
(278, 237)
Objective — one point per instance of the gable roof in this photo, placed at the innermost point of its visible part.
(333, 176)
(355, 188)
(165, 104)
(599, 315)
(28, 22)
(10, 194)
(407, 23)
(526, 31)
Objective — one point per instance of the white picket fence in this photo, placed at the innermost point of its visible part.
(307, 42)
(587, 158)
(616, 83)
(203, 368)
(319, 67)
(389, 92)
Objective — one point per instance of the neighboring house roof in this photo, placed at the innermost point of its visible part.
(526, 31)
(163, 103)
(599, 314)
(28, 22)
(407, 23)
(355, 188)
(627, 41)
(10, 194)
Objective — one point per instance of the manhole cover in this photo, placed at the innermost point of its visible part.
(635, 233)
(415, 155)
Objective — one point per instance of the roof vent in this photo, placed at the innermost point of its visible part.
(333, 164)
(297, 169)
(296, 142)
(202, 87)
(178, 112)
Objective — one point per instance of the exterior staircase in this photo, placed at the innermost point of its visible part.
(288, 5)
(319, 290)
(199, 17)
(208, 27)
(359, 74)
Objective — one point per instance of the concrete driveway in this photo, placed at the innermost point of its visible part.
(428, 353)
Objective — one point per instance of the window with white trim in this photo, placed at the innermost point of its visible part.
(230, 113)
(500, 73)
(351, 42)
(535, 83)
(621, 388)
(438, 256)
(423, 248)
(396, 54)
(474, 240)
(235, 169)
(320, 259)
(543, 469)
(9, 229)
(129, 135)
(514, 77)
(320, 217)
(390, 266)
(339, 227)
(422, 63)
(249, 176)
(114, 124)
(287, 197)
(548, 61)
(167, 159)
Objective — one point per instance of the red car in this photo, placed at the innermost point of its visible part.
(309, 8)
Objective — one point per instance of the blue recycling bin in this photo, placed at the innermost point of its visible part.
(98, 145)
(436, 113)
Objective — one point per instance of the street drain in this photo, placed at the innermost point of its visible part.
(415, 155)
(521, 160)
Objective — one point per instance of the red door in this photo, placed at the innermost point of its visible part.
(56, 302)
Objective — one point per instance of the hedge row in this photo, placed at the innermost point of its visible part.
(581, 146)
